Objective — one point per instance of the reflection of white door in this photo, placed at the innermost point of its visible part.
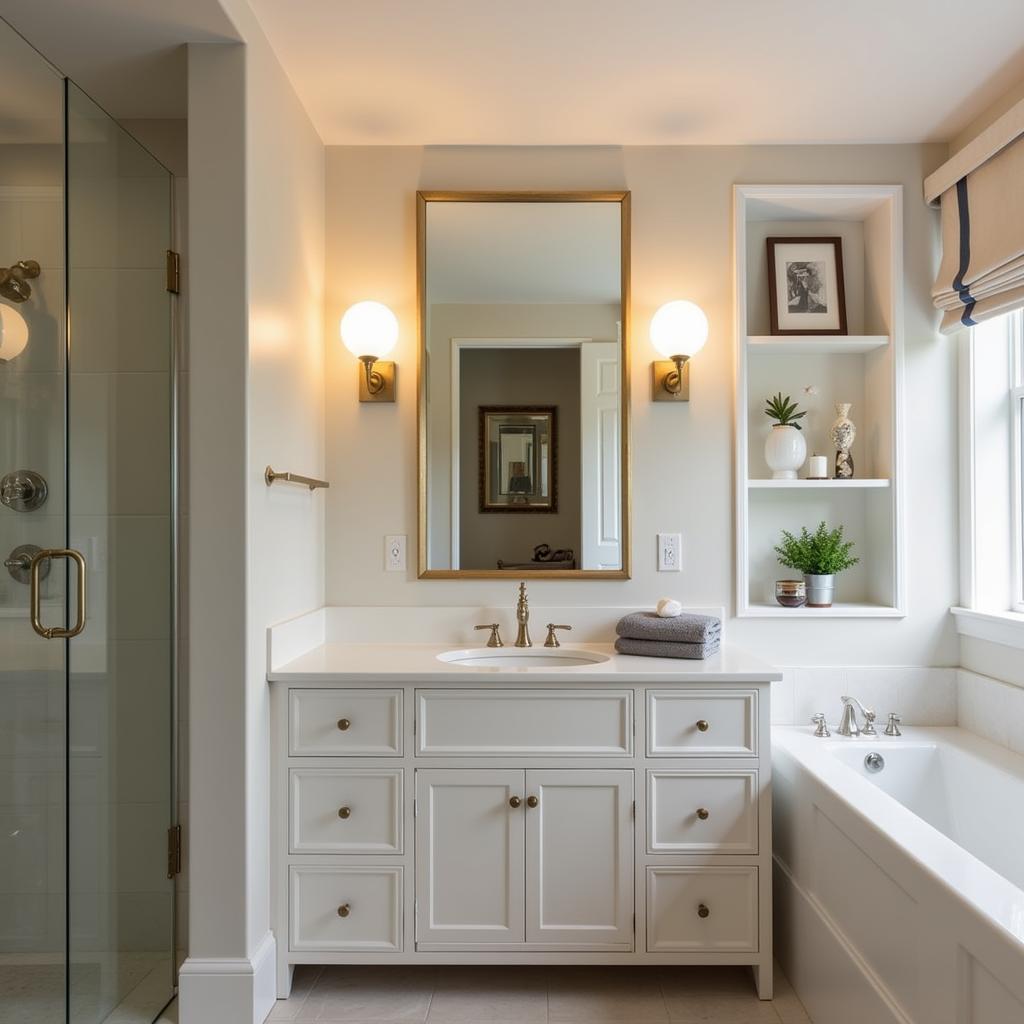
(600, 424)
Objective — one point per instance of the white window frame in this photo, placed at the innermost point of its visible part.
(1005, 627)
(1015, 328)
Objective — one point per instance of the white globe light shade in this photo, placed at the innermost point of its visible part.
(13, 333)
(369, 329)
(679, 328)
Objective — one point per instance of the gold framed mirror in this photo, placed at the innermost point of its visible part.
(523, 385)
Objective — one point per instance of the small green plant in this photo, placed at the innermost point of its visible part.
(783, 411)
(821, 553)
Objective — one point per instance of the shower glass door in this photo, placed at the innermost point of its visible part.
(120, 495)
(33, 681)
(87, 542)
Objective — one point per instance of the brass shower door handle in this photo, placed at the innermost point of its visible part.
(35, 599)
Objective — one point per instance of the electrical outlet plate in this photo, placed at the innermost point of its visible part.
(394, 553)
(670, 547)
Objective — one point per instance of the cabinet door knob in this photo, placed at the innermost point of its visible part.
(532, 801)
(703, 911)
(344, 724)
(345, 812)
(703, 813)
(344, 910)
(514, 801)
(703, 725)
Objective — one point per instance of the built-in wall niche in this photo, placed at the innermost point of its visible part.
(863, 368)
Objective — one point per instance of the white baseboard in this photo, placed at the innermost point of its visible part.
(827, 974)
(239, 990)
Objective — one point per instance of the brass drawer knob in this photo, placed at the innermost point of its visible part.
(344, 724)
(703, 813)
(344, 910)
(703, 725)
(345, 812)
(515, 802)
(703, 911)
(532, 801)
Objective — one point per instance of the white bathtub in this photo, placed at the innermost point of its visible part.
(899, 895)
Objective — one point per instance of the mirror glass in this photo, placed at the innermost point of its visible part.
(522, 383)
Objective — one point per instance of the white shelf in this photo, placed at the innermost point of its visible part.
(838, 611)
(817, 485)
(838, 344)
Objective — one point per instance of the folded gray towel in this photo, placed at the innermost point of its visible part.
(667, 649)
(685, 628)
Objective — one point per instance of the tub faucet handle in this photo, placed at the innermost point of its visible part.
(869, 723)
(821, 726)
(893, 728)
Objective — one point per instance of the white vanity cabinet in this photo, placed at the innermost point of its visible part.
(498, 819)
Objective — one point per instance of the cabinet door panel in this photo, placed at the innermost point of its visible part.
(579, 859)
(469, 857)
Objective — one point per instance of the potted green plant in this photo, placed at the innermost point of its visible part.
(819, 556)
(785, 450)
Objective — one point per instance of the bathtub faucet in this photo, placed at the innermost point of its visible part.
(848, 725)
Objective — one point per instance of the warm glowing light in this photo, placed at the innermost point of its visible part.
(369, 329)
(679, 328)
(13, 333)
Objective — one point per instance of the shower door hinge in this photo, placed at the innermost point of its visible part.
(173, 272)
(173, 851)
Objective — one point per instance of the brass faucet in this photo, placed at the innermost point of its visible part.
(523, 618)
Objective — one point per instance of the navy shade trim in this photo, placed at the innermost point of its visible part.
(965, 253)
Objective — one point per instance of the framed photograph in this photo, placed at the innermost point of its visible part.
(518, 458)
(805, 286)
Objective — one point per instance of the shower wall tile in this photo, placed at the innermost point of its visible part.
(42, 232)
(120, 448)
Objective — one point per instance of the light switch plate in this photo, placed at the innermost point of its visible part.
(394, 553)
(670, 552)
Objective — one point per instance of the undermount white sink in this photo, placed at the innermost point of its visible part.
(521, 657)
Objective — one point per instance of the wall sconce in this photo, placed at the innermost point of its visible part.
(678, 331)
(13, 333)
(369, 331)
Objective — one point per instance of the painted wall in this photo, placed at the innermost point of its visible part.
(256, 170)
(682, 457)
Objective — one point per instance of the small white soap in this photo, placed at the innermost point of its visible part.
(669, 609)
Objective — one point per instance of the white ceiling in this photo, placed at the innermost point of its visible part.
(523, 252)
(564, 72)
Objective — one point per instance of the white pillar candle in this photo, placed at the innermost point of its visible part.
(817, 467)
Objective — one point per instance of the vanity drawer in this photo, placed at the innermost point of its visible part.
(346, 810)
(702, 723)
(569, 723)
(702, 908)
(341, 908)
(701, 811)
(331, 723)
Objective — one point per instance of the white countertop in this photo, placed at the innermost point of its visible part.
(403, 663)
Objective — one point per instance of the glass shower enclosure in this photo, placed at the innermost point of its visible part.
(87, 541)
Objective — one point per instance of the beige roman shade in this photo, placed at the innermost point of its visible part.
(981, 194)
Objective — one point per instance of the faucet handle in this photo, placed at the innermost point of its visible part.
(869, 723)
(494, 640)
(893, 728)
(821, 726)
(552, 640)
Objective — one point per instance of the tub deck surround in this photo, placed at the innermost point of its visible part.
(423, 812)
(903, 887)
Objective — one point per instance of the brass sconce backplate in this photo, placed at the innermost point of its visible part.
(382, 379)
(664, 385)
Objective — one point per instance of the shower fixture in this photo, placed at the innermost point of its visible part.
(14, 280)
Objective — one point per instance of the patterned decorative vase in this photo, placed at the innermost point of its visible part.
(785, 451)
(843, 434)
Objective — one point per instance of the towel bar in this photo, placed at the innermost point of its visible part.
(294, 478)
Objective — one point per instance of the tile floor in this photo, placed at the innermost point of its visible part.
(533, 995)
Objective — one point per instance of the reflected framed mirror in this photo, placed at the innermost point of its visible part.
(523, 384)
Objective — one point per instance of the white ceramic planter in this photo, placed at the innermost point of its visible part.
(785, 451)
(821, 590)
